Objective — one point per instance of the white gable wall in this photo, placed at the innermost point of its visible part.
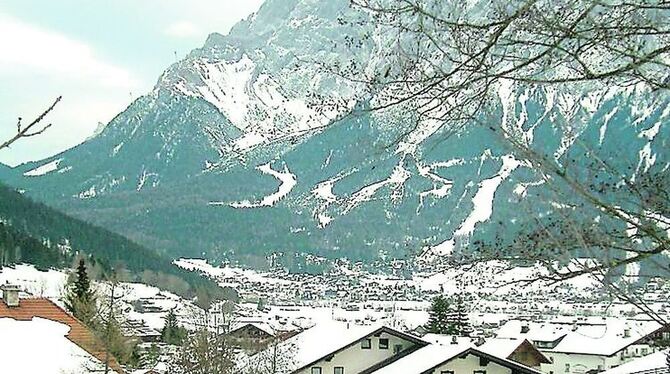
(581, 363)
(469, 364)
(355, 359)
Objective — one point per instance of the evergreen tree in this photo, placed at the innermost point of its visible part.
(448, 317)
(172, 333)
(82, 286)
(151, 356)
(458, 318)
(438, 321)
(80, 300)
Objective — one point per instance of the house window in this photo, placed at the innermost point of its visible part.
(316, 370)
(447, 372)
(397, 349)
(383, 343)
(338, 370)
(366, 344)
(567, 368)
(479, 372)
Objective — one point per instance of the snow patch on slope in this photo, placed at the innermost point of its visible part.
(396, 180)
(44, 169)
(441, 186)
(482, 206)
(252, 100)
(287, 179)
(324, 192)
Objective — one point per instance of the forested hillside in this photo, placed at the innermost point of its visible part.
(16, 246)
(32, 232)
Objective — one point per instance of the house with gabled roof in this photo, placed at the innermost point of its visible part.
(340, 348)
(451, 359)
(343, 348)
(38, 336)
(655, 363)
(590, 344)
(518, 350)
(521, 351)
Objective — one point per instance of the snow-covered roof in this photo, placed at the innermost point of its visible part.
(435, 355)
(537, 331)
(329, 337)
(261, 325)
(424, 359)
(499, 347)
(40, 346)
(76, 332)
(654, 361)
(592, 336)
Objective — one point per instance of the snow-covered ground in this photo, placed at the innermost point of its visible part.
(49, 284)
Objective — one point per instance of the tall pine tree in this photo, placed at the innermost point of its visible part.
(438, 321)
(80, 299)
(172, 333)
(448, 317)
(457, 318)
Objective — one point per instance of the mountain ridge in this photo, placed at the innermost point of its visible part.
(198, 165)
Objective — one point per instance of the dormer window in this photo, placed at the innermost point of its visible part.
(366, 344)
(383, 343)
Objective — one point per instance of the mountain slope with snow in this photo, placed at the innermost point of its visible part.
(229, 156)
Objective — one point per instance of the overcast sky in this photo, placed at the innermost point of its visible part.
(98, 54)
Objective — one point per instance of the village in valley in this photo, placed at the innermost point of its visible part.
(351, 320)
(335, 187)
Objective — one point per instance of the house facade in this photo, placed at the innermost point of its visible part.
(339, 348)
(589, 345)
(381, 345)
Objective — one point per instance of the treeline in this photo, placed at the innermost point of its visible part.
(16, 247)
(27, 225)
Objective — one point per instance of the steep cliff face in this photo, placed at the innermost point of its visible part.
(228, 155)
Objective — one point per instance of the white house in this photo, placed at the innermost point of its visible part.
(588, 344)
(457, 358)
(518, 350)
(339, 348)
(655, 363)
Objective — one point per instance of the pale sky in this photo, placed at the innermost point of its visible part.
(99, 55)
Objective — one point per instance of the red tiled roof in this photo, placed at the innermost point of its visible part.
(79, 334)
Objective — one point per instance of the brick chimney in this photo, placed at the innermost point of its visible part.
(10, 295)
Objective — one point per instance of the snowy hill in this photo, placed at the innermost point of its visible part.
(228, 156)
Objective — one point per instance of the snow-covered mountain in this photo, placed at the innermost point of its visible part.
(229, 155)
